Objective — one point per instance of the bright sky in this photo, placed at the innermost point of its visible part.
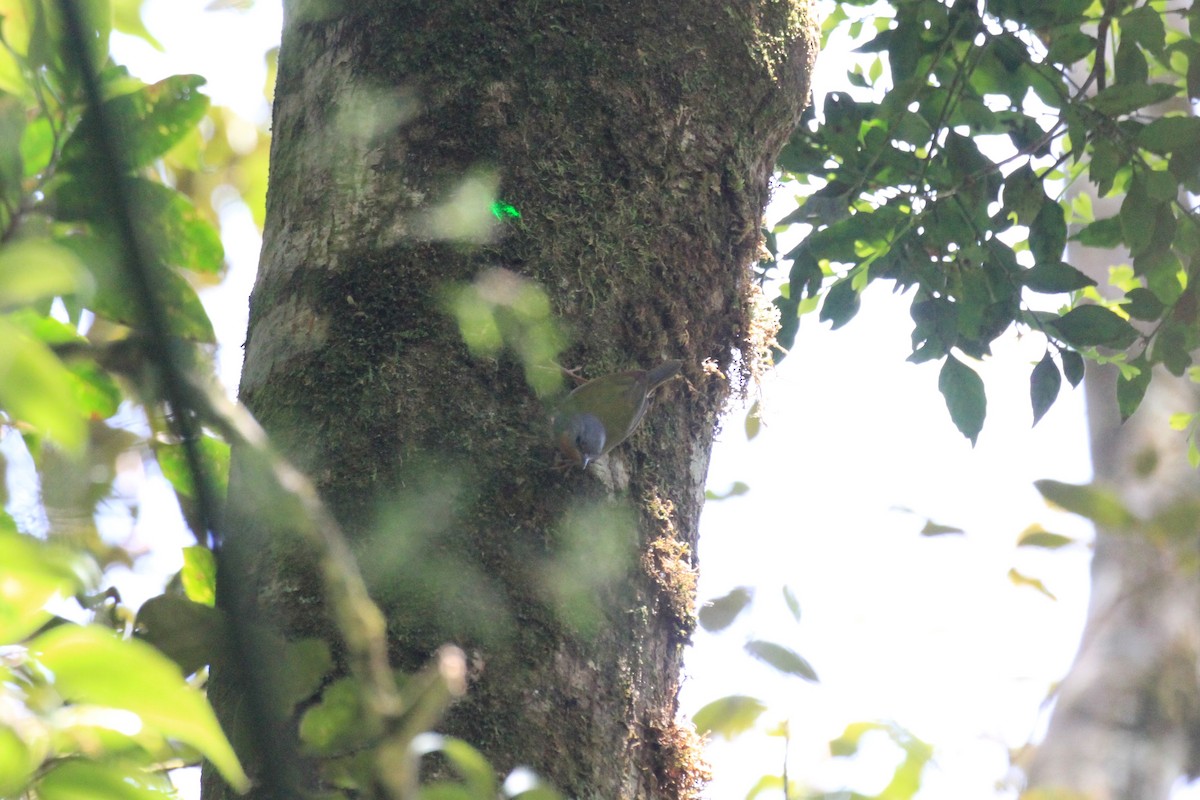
(926, 632)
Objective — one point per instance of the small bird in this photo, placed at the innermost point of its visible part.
(601, 413)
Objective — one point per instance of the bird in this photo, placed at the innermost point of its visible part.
(603, 412)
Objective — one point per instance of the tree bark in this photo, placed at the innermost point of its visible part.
(637, 141)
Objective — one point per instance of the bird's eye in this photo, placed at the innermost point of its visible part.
(579, 441)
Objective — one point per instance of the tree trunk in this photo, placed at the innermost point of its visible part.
(636, 141)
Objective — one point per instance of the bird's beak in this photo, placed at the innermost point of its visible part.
(584, 461)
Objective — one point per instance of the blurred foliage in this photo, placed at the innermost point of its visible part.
(948, 170)
(85, 708)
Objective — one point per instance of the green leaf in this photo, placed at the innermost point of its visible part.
(214, 460)
(1044, 384)
(1094, 326)
(1092, 502)
(199, 575)
(468, 762)
(1072, 366)
(33, 572)
(12, 164)
(1020, 579)
(736, 489)
(719, 614)
(37, 389)
(1048, 234)
(1145, 26)
(753, 421)
(306, 662)
(1143, 304)
(145, 124)
(1129, 66)
(17, 763)
(92, 666)
(793, 603)
(1126, 98)
(186, 317)
(1104, 233)
(782, 658)
(35, 269)
(1131, 389)
(937, 529)
(94, 780)
(965, 399)
(127, 18)
(188, 633)
(728, 716)
(334, 725)
(1055, 277)
(1139, 217)
(173, 233)
(1036, 537)
(1170, 134)
(95, 390)
(47, 42)
(1070, 47)
(841, 303)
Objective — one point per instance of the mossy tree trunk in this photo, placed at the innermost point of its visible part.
(637, 141)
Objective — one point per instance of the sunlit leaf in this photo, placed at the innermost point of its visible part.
(144, 124)
(32, 572)
(95, 780)
(1019, 579)
(91, 665)
(173, 233)
(1036, 536)
(35, 388)
(199, 575)
(33, 269)
(186, 317)
(728, 716)
(753, 421)
(214, 460)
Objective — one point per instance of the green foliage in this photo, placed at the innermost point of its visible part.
(946, 172)
(97, 713)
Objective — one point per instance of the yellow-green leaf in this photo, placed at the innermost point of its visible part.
(92, 665)
(35, 388)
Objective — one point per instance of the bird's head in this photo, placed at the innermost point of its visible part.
(581, 437)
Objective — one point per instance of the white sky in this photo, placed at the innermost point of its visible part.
(928, 633)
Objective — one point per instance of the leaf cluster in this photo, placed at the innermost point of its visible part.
(947, 171)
